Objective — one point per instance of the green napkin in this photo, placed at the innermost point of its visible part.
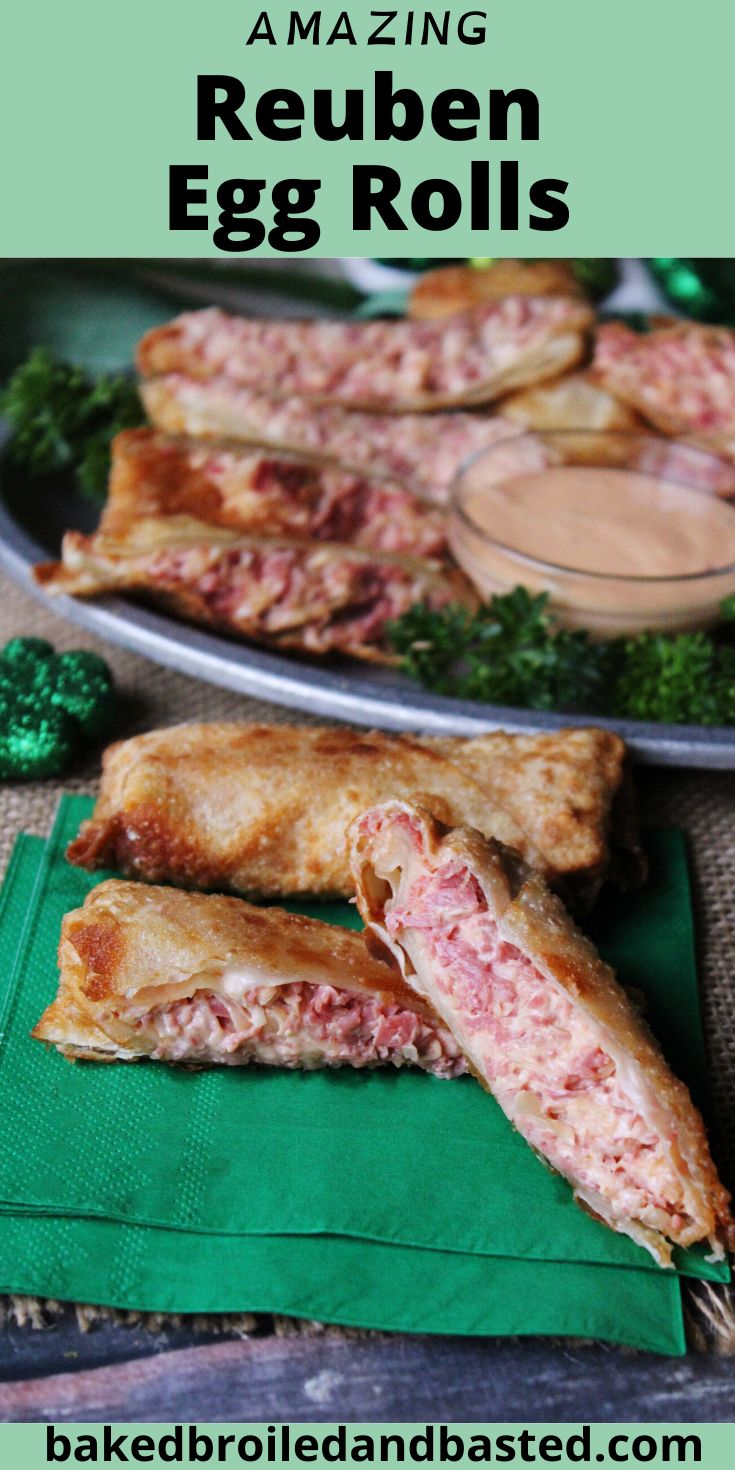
(354, 1170)
(334, 1279)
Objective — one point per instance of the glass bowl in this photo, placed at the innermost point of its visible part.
(534, 510)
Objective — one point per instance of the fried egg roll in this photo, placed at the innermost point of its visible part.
(263, 809)
(264, 494)
(543, 1024)
(473, 357)
(313, 597)
(203, 979)
(422, 451)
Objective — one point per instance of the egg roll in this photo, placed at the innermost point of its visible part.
(421, 451)
(575, 401)
(203, 980)
(263, 809)
(395, 365)
(316, 598)
(264, 494)
(681, 379)
(451, 288)
(543, 1024)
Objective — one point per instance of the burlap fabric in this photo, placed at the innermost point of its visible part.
(701, 802)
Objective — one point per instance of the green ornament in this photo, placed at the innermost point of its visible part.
(35, 744)
(19, 650)
(26, 656)
(49, 702)
(704, 289)
(82, 686)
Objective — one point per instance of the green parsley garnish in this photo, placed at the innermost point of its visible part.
(63, 420)
(511, 651)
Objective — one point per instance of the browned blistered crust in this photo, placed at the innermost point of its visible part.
(533, 919)
(264, 808)
(574, 401)
(132, 940)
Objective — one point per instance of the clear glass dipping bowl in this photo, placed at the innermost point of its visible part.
(603, 602)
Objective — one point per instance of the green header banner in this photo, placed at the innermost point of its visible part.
(445, 130)
(32, 1446)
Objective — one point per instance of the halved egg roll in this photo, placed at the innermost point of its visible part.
(264, 808)
(264, 494)
(543, 1024)
(474, 357)
(679, 378)
(201, 979)
(422, 451)
(317, 598)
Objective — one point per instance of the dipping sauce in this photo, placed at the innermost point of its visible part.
(619, 545)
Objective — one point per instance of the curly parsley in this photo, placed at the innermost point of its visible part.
(64, 420)
(512, 652)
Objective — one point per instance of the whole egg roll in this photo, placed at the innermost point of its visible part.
(203, 979)
(264, 809)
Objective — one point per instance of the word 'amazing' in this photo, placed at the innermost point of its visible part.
(490, 193)
(376, 28)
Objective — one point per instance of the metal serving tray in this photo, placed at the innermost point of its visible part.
(32, 521)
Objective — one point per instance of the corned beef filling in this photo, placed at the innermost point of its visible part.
(687, 375)
(326, 505)
(299, 1025)
(347, 600)
(540, 1053)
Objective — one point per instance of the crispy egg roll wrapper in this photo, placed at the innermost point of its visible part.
(422, 452)
(680, 379)
(265, 494)
(264, 809)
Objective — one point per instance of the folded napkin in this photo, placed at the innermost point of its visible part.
(342, 1196)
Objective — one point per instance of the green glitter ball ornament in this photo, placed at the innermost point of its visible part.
(704, 289)
(49, 704)
(35, 744)
(81, 684)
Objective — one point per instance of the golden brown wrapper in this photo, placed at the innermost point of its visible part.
(264, 808)
(312, 597)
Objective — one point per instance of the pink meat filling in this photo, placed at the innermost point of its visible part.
(337, 506)
(541, 1055)
(334, 602)
(300, 1025)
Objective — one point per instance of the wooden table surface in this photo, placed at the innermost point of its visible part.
(114, 1373)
